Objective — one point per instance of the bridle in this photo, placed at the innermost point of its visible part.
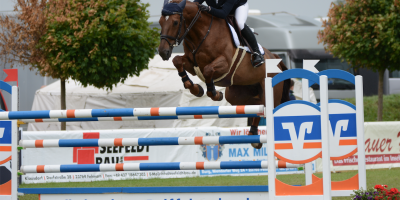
(178, 39)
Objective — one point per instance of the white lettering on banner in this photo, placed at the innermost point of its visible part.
(369, 159)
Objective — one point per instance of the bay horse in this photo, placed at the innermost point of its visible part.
(208, 46)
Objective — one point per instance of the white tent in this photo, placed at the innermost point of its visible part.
(159, 86)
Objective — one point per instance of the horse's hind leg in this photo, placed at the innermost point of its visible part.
(195, 89)
(208, 73)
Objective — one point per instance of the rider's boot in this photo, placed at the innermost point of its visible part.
(251, 39)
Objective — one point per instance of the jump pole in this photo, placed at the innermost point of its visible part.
(130, 112)
(308, 65)
(139, 118)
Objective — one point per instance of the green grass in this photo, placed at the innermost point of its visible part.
(391, 107)
(390, 177)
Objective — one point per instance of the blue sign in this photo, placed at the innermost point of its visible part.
(5, 132)
(346, 122)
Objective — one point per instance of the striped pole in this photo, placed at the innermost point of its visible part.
(144, 141)
(153, 166)
(139, 118)
(138, 112)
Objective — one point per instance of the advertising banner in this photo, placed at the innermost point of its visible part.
(143, 154)
(382, 148)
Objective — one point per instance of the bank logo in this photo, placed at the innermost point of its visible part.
(298, 133)
(212, 152)
(342, 135)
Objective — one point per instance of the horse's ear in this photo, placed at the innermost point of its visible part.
(182, 4)
(165, 2)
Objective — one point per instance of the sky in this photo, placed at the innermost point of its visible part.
(7, 5)
(310, 8)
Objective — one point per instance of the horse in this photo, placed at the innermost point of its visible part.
(209, 49)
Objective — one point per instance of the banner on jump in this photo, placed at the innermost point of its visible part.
(382, 148)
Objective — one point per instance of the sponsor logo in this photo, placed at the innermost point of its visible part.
(107, 155)
(212, 152)
(297, 132)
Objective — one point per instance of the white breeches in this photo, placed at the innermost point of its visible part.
(241, 15)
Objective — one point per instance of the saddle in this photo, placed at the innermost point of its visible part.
(232, 23)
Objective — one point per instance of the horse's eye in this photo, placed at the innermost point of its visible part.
(175, 23)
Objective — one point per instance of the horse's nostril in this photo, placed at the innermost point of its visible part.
(166, 52)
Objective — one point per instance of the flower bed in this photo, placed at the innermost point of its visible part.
(379, 192)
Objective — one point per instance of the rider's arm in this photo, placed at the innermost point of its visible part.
(224, 11)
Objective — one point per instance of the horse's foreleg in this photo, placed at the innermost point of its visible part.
(195, 89)
(247, 95)
(256, 120)
(208, 73)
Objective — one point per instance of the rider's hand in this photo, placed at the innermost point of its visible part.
(204, 8)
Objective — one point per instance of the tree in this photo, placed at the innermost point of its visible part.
(366, 34)
(21, 32)
(97, 43)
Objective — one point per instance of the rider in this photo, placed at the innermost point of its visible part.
(240, 8)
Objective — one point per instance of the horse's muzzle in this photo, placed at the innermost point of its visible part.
(165, 54)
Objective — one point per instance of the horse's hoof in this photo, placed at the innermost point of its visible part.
(201, 91)
(221, 96)
(256, 145)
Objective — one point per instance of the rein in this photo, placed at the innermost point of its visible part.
(178, 39)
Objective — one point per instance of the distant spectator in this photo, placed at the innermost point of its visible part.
(291, 96)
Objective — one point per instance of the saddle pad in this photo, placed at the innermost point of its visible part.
(237, 43)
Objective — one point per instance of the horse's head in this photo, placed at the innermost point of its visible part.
(171, 23)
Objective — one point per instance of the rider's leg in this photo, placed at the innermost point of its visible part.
(241, 17)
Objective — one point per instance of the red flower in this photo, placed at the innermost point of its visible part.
(378, 187)
(394, 190)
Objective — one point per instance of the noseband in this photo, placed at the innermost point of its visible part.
(178, 39)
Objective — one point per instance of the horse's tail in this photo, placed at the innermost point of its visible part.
(286, 83)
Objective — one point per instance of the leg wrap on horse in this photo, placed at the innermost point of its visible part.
(185, 78)
(211, 88)
(254, 130)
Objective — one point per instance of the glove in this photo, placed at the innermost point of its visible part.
(204, 8)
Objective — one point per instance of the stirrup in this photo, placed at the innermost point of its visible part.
(256, 64)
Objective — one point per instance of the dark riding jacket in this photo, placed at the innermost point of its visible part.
(223, 8)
